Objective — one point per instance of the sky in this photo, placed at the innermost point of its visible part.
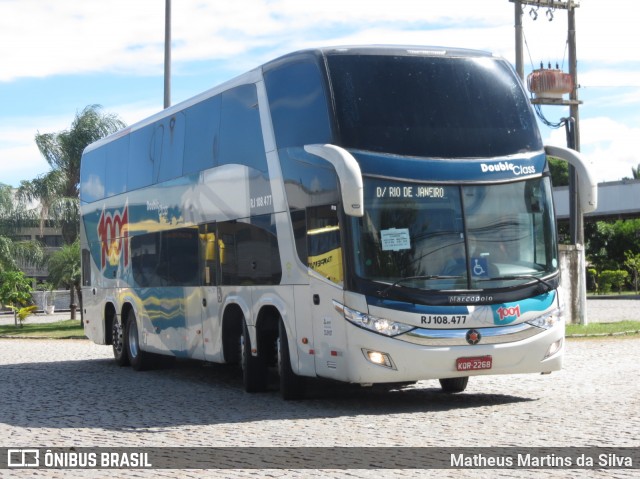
(58, 56)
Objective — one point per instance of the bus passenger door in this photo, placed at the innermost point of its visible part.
(324, 251)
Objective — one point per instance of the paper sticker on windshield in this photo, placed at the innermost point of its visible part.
(395, 239)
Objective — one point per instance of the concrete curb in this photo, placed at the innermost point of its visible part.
(615, 296)
(604, 335)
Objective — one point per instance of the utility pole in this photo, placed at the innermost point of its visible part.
(167, 54)
(572, 124)
(576, 225)
(519, 49)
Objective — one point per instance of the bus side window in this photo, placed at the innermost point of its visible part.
(201, 136)
(167, 258)
(324, 246)
(116, 171)
(248, 251)
(299, 224)
(168, 148)
(141, 161)
(241, 140)
(86, 267)
(180, 254)
(208, 254)
(93, 175)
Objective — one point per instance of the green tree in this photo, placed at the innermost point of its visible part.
(64, 270)
(559, 172)
(15, 291)
(608, 240)
(13, 216)
(632, 262)
(57, 190)
(636, 172)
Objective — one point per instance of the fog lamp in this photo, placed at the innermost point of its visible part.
(554, 348)
(378, 358)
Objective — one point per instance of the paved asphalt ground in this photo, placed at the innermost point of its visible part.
(613, 309)
(71, 393)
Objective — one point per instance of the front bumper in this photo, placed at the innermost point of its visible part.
(428, 354)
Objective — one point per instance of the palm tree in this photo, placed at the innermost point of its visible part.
(57, 190)
(13, 215)
(64, 270)
(636, 172)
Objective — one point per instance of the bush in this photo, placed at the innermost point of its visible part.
(612, 279)
(592, 280)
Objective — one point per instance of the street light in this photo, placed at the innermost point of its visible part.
(167, 54)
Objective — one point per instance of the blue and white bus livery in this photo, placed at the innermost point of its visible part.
(365, 214)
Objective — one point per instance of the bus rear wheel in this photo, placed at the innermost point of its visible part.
(119, 343)
(454, 385)
(254, 368)
(139, 359)
(292, 386)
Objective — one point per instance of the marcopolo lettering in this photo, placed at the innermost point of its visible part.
(503, 166)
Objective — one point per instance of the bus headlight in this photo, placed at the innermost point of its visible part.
(372, 323)
(549, 320)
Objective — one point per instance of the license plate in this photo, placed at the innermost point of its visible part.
(474, 363)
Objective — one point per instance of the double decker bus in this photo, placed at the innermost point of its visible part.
(365, 214)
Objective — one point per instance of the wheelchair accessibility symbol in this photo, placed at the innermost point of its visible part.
(479, 268)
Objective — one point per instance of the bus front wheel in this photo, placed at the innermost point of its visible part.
(454, 385)
(254, 368)
(292, 386)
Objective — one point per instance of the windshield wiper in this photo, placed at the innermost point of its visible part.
(385, 291)
(549, 286)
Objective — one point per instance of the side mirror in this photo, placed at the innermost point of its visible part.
(349, 176)
(587, 185)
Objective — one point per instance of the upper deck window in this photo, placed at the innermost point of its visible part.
(438, 107)
(298, 104)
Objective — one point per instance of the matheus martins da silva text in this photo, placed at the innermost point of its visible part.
(546, 460)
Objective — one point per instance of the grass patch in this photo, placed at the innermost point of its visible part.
(603, 329)
(60, 330)
(610, 294)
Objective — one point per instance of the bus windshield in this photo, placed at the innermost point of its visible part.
(427, 106)
(431, 236)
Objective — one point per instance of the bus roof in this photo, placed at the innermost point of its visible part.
(255, 75)
(401, 50)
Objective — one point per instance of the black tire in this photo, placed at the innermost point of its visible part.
(254, 368)
(139, 359)
(454, 385)
(292, 386)
(119, 342)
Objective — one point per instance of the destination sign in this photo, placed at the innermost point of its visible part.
(413, 191)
